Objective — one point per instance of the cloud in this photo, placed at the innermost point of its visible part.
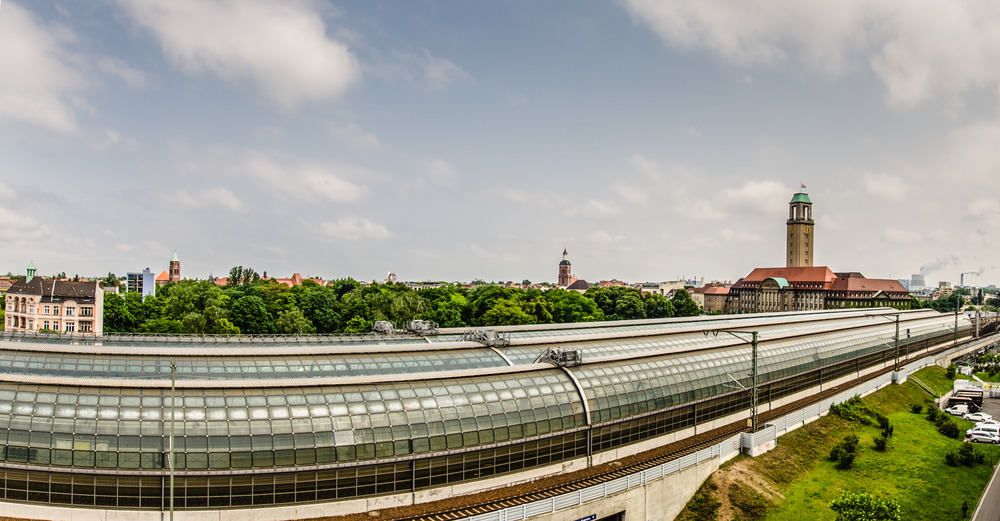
(353, 229)
(603, 237)
(938, 264)
(632, 194)
(306, 181)
(122, 70)
(769, 198)
(354, 136)
(6, 192)
(884, 185)
(281, 47)
(739, 236)
(421, 67)
(15, 227)
(895, 235)
(595, 207)
(645, 166)
(940, 50)
(440, 171)
(213, 198)
(38, 78)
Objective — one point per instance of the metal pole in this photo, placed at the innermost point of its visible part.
(753, 379)
(170, 454)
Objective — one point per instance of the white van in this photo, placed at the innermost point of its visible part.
(958, 410)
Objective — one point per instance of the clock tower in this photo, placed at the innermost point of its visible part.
(800, 232)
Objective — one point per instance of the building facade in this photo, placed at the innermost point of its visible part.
(143, 283)
(35, 304)
(800, 232)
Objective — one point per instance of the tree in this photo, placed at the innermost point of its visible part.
(658, 306)
(506, 313)
(684, 305)
(629, 306)
(293, 322)
(863, 506)
(250, 315)
(117, 317)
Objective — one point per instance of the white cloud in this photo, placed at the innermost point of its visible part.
(6, 192)
(354, 136)
(940, 48)
(353, 229)
(739, 236)
(38, 78)
(15, 227)
(268, 132)
(595, 207)
(884, 185)
(282, 47)
(632, 194)
(122, 70)
(420, 68)
(306, 181)
(895, 235)
(213, 198)
(645, 166)
(603, 237)
(440, 171)
(768, 198)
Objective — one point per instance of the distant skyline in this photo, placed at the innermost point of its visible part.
(448, 140)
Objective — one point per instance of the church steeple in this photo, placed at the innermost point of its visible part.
(31, 270)
(800, 232)
(565, 270)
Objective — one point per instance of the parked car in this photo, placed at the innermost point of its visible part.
(958, 410)
(984, 437)
(976, 416)
(986, 432)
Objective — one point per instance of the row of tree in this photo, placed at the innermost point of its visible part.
(249, 304)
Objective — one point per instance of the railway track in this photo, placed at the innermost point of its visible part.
(603, 474)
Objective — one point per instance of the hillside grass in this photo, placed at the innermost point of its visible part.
(911, 471)
(935, 378)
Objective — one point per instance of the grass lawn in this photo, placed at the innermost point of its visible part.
(911, 471)
(935, 378)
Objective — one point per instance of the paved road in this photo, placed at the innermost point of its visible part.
(989, 505)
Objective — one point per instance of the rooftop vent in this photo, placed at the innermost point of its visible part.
(561, 357)
(487, 337)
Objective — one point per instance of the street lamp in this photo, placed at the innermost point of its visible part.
(887, 316)
(752, 340)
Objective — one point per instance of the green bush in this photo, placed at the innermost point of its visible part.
(855, 410)
(950, 373)
(880, 443)
(916, 408)
(836, 453)
(846, 461)
(933, 413)
(967, 455)
(949, 429)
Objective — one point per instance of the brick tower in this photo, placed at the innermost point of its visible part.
(800, 232)
(175, 269)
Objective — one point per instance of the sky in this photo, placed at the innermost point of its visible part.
(455, 140)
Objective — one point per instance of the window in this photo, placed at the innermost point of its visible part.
(70, 327)
(55, 310)
(69, 311)
(45, 324)
(86, 327)
(46, 310)
(55, 326)
(87, 312)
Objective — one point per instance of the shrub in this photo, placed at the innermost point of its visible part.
(950, 373)
(949, 429)
(933, 413)
(846, 461)
(967, 455)
(951, 459)
(880, 443)
(883, 422)
(836, 452)
(855, 410)
(916, 408)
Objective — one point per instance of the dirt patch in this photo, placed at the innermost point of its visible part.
(734, 492)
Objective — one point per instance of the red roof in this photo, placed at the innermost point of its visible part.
(863, 284)
(162, 276)
(820, 275)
